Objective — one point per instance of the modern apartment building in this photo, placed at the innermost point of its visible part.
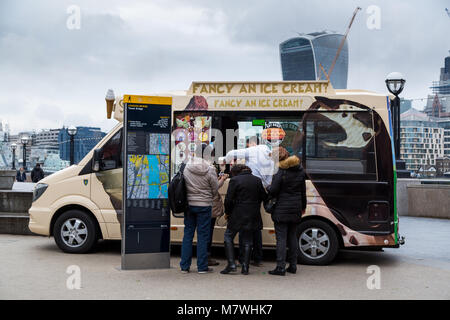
(421, 141)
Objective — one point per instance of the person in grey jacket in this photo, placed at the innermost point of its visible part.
(202, 187)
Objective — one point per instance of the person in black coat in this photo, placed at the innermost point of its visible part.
(37, 173)
(289, 188)
(242, 207)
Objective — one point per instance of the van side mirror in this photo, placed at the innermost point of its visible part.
(96, 160)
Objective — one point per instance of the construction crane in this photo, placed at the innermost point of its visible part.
(341, 45)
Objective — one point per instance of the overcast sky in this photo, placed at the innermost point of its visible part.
(53, 76)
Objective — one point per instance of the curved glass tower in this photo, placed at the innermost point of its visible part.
(301, 58)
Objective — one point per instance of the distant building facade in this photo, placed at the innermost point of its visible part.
(302, 57)
(5, 148)
(421, 141)
(405, 105)
(46, 143)
(443, 85)
(443, 167)
(445, 124)
(438, 103)
(85, 139)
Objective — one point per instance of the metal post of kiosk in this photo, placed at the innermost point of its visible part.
(146, 212)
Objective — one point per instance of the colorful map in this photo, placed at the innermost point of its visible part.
(159, 143)
(148, 176)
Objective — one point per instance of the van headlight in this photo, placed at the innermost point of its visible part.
(39, 190)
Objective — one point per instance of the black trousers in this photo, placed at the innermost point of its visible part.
(257, 251)
(286, 235)
(244, 234)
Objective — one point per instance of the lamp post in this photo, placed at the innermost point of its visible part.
(24, 141)
(13, 148)
(395, 83)
(72, 131)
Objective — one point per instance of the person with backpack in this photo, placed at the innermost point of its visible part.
(242, 208)
(289, 189)
(201, 187)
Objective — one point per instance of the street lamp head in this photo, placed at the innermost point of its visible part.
(24, 139)
(14, 146)
(395, 82)
(72, 130)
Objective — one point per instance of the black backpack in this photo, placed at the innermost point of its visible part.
(177, 192)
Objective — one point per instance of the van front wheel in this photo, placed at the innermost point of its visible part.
(75, 232)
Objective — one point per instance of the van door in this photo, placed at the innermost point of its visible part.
(106, 189)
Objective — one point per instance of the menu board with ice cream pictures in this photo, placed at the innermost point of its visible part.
(146, 221)
(192, 130)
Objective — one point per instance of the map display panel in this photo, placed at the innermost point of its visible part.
(148, 176)
(159, 143)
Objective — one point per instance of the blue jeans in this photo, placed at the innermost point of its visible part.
(196, 218)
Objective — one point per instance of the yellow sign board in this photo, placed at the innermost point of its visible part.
(259, 102)
(260, 88)
(147, 99)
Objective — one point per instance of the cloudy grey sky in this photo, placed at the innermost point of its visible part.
(52, 76)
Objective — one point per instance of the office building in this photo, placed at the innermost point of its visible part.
(85, 139)
(46, 143)
(303, 57)
(421, 141)
(438, 103)
(445, 124)
(443, 167)
(443, 85)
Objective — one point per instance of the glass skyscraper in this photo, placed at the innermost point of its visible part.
(85, 139)
(302, 56)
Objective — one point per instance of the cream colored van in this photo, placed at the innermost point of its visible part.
(343, 138)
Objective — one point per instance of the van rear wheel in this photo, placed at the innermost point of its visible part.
(318, 243)
(75, 232)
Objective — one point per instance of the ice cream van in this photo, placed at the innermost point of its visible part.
(343, 137)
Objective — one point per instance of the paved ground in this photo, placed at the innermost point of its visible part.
(33, 268)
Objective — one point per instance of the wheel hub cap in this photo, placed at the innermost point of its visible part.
(314, 243)
(74, 232)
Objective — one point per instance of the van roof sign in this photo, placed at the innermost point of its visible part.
(261, 88)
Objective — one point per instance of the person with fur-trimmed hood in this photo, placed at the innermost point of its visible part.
(289, 188)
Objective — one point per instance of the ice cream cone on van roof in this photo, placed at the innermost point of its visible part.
(109, 102)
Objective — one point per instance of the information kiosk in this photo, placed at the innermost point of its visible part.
(146, 218)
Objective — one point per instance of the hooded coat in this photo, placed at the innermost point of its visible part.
(289, 187)
(37, 174)
(201, 182)
(243, 202)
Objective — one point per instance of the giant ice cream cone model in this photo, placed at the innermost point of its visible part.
(109, 103)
